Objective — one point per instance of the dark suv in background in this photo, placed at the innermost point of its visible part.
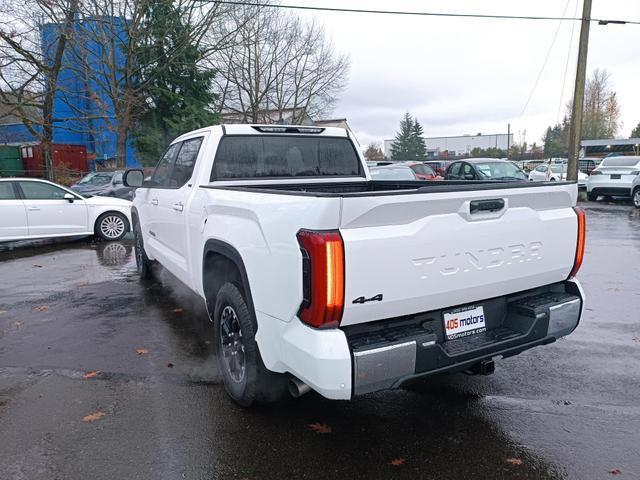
(104, 184)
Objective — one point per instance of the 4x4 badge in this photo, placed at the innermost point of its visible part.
(377, 298)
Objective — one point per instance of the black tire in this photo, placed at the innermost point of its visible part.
(111, 226)
(143, 264)
(245, 377)
(592, 197)
(635, 197)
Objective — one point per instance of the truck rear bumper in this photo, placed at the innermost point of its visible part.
(416, 349)
(359, 359)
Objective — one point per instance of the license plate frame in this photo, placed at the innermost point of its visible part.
(616, 176)
(464, 321)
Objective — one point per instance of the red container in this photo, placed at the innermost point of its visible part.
(73, 157)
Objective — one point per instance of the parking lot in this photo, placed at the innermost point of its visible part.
(105, 377)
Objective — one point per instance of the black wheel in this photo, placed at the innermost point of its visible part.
(245, 377)
(592, 197)
(636, 197)
(143, 263)
(112, 226)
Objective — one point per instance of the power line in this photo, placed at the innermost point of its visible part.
(544, 63)
(600, 21)
(566, 66)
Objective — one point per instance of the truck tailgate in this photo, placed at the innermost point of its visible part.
(406, 254)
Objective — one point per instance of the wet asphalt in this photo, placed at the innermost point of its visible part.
(154, 407)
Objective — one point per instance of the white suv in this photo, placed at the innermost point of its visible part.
(616, 176)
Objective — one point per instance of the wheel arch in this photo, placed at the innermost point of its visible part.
(221, 262)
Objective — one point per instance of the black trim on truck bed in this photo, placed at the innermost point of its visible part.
(380, 187)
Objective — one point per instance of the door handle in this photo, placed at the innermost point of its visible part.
(33, 209)
(154, 201)
(178, 207)
(493, 205)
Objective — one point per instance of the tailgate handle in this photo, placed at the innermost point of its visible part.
(493, 205)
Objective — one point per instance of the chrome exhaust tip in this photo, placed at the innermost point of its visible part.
(297, 387)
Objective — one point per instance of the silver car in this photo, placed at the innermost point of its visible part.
(616, 176)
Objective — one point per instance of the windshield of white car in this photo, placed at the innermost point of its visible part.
(96, 179)
(283, 156)
(620, 162)
(500, 171)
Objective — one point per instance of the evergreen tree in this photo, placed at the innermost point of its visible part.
(419, 147)
(178, 94)
(402, 146)
(636, 132)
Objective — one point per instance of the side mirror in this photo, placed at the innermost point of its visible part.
(468, 176)
(70, 198)
(133, 178)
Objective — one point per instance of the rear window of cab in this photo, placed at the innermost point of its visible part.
(280, 156)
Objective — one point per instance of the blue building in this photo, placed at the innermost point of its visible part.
(83, 110)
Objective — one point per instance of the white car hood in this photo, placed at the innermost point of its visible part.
(108, 201)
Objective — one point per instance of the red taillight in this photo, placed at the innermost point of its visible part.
(323, 278)
(582, 237)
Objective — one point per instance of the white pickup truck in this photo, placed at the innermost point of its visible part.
(316, 277)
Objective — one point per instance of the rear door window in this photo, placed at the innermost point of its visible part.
(6, 191)
(279, 156)
(185, 161)
(41, 191)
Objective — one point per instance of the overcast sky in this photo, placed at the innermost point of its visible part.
(464, 76)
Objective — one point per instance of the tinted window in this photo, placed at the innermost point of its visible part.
(42, 191)
(467, 170)
(162, 175)
(454, 170)
(281, 156)
(6, 191)
(185, 162)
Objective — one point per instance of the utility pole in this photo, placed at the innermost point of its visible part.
(508, 140)
(575, 132)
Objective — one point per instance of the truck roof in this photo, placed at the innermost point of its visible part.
(259, 129)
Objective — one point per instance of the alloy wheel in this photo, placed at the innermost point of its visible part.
(232, 343)
(112, 226)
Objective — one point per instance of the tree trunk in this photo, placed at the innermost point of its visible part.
(121, 145)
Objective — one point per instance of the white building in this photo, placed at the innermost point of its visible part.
(460, 145)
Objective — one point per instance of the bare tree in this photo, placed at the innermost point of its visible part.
(30, 63)
(107, 52)
(601, 109)
(278, 64)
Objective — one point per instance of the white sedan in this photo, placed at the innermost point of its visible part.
(558, 173)
(32, 208)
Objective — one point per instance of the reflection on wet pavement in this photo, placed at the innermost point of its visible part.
(568, 410)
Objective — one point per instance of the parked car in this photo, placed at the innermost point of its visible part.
(32, 208)
(393, 172)
(616, 176)
(106, 184)
(484, 169)
(378, 163)
(315, 277)
(422, 170)
(439, 166)
(557, 173)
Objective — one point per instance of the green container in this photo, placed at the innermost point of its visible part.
(10, 161)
